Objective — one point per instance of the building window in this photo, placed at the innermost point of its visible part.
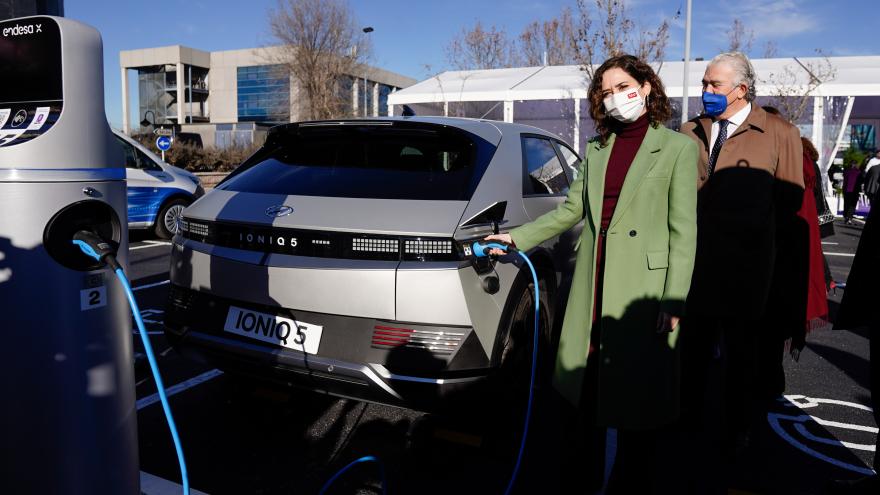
(384, 91)
(263, 94)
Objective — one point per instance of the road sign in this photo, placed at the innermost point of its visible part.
(159, 131)
(163, 143)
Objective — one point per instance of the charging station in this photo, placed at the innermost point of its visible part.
(68, 415)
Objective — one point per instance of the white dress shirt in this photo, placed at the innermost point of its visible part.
(873, 162)
(733, 124)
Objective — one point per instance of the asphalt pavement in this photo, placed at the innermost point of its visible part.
(242, 437)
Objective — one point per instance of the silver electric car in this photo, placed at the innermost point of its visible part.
(338, 258)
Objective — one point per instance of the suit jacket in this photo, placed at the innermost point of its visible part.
(648, 262)
(758, 183)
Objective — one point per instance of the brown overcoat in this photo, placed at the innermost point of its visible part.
(758, 180)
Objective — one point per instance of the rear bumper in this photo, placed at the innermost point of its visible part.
(350, 361)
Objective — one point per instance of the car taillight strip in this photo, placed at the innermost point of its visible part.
(321, 244)
(436, 341)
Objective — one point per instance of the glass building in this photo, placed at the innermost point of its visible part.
(263, 94)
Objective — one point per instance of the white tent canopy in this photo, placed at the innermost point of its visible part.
(855, 76)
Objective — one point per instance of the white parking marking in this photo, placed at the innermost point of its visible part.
(154, 485)
(148, 286)
(799, 424)
(832, 441)
(828, 243)
(840, 254)
(149, 245)
(180, 387)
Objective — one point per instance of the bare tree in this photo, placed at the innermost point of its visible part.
(478, 48)
(740, 38)
(321, 49)
(607, 32)
(651, 45)
(770, 49)
(553, 38)
(789, 94)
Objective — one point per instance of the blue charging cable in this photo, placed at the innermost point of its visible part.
(101, 251)
(481, 250)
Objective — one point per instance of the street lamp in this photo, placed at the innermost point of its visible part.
(367, 30)
(146, 122)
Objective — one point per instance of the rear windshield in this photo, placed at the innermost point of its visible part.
(399, 161)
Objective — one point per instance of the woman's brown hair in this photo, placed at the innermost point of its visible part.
(657, 104)
(810, 150)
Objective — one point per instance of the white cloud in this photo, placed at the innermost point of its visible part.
(772, 20)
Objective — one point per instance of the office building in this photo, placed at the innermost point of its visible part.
(231, 96)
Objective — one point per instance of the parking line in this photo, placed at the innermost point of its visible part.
(148, 286)
(154, 485)
(840, 254)
(148, 245)
(180, 387)
(828, 243)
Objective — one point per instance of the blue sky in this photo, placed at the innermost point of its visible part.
(410, 36)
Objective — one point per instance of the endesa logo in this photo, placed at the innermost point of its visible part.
(19, 30)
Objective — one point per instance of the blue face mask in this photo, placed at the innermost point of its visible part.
(714, 104)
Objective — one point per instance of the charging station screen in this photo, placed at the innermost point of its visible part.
(31, 86)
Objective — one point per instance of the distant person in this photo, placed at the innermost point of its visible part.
(750, 179)
(872, 184)
(858, 309)
(852, 188)
(873, 162)
(618, 359)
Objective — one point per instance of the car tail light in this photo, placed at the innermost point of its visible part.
(436, 341)
(375, 245)
(194, 228)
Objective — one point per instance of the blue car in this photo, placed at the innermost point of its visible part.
(157, 192)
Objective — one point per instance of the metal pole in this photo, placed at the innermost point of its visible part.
(366, 30)
(687, 58)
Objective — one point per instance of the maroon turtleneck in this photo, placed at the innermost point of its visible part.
(626, 144)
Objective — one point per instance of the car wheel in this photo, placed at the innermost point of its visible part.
(510, 385)
(166, 220)
(515, 359)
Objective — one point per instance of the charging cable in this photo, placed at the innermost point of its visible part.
(102, 251)
(481, 250)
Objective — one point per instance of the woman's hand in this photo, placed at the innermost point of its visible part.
(666, 323)
(502, 238)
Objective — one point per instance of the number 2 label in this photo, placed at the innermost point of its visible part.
(95, 297)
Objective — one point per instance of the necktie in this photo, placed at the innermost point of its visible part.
(722, 136)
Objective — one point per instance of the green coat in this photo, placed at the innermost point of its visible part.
(649, 258)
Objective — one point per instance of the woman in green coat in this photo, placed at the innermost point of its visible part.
(636, 192)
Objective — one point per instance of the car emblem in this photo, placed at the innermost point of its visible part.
(278, 211)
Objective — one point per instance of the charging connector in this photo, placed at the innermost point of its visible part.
(102, 251)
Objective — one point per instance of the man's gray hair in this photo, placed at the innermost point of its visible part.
(742, 67)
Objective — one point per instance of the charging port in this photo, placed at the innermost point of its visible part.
(89, 215)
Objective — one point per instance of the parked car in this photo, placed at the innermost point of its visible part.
(157, 192)
(337, 258)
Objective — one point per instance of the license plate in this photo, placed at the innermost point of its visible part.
(292, 334)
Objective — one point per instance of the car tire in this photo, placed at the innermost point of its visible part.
(166, 220)
(510, 383)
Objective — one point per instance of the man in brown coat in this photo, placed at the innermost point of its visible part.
(750, 178)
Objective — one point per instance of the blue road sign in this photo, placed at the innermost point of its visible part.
(163, 143)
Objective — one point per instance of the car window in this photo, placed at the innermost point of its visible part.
(571, 161)
(404, 161)
(146, 162)
(544, 173)
(131, 158)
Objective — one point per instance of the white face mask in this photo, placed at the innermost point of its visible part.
(625, 106)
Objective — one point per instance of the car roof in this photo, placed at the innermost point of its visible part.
(490, 130)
